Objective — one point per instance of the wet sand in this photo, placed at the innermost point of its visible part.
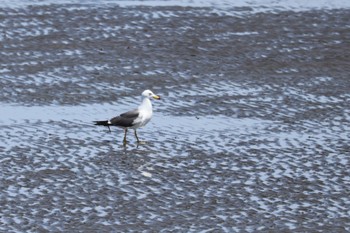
(252, 133)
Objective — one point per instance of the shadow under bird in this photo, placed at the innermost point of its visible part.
(133, 119)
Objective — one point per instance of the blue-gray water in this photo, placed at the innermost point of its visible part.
(252, 132)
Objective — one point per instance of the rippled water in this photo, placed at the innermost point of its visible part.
(252, 132)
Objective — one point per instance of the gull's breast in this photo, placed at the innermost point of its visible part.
(143, 119)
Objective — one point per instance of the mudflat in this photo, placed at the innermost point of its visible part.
(252, 132)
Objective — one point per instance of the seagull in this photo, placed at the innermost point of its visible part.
(135, 118)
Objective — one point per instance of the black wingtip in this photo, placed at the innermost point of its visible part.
(103, 123)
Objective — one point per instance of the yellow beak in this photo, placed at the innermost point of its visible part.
(156, 97)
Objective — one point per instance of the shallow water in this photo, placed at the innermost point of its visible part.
(251, 134)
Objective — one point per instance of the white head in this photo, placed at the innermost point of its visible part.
(149, 94)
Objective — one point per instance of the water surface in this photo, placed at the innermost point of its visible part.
(251, 134)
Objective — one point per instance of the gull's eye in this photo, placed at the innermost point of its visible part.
(149, 94)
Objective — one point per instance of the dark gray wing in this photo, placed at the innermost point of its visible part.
(126, 119)
(131, 114)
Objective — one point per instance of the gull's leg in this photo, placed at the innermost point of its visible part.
(137, 138)
(124, 141)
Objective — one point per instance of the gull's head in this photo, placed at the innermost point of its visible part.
(149, 94)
